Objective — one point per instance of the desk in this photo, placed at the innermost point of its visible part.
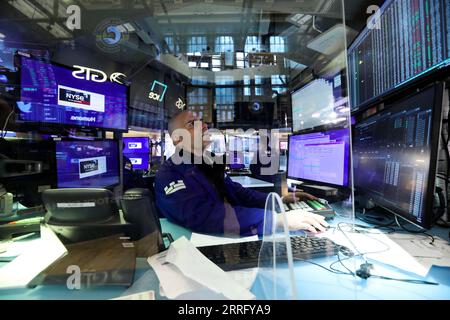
(249, 182)
(312, 283)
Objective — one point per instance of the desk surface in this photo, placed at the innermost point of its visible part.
(249, 182)
(312, 282)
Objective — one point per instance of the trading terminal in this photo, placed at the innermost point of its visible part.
(298, 142)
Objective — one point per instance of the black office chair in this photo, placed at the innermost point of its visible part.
(77, 215)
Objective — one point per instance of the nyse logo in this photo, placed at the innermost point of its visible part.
(180, 104)
(96, 75)
(153, 95)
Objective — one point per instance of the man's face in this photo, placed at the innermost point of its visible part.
(188, 121)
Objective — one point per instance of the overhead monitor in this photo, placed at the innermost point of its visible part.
(87, 164)
(405, 41)
(50, 94)
(320, 102)
(320, 157)
(395, 155)
(136, 145)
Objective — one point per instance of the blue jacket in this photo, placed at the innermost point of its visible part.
(186, 197)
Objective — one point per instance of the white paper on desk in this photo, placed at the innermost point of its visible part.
(172, 281)
(245, 277)
(38, 255)
(388, 251)
(194, 265)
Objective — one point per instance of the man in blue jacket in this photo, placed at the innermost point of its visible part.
(201, 197)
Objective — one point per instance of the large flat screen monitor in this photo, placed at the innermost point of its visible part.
(395, 155)
(320, 157)
(87, 164)
(50, 94)
(405, 41)
(318, 103)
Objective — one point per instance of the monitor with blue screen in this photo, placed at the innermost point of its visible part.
(134, 145)
(87, 164)
(320, 157)
(50, 94)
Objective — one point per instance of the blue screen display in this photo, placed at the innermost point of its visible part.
(51, 94)
(87, 164)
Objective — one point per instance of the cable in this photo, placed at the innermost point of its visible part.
(6, 123)
(414, 231)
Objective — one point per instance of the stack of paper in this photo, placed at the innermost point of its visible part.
(185, 273)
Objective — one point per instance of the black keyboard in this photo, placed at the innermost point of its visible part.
(247, 254)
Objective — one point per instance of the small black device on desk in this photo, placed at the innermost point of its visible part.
(319, 206)
(244, 255)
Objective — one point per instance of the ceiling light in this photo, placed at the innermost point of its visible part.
(204, 65)
(192, 64)
(216, 69)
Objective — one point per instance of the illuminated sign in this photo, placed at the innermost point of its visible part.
(180, 104)
(155, 95)
(96, 75)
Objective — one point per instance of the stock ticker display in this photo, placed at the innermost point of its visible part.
(392, 153)
(410, 38)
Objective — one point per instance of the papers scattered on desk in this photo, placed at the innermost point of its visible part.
(420, 247)
(35, 257)
(203, 240)
(377, 246)
(185, 273)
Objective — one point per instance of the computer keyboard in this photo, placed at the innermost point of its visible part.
(320, 207)
(247, 254)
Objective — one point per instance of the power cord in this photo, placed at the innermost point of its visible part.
(3, 132)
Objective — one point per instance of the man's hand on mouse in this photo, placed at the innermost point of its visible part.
(303, 220)
(298, 196)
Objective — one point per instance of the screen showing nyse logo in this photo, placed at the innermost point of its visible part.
(134, 145)
(75, 97)
(80, 99)
(91, 167)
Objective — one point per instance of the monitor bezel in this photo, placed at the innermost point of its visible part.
(109, 187)
(435, 73)
(428, 218)
(59, 127)
(307, 181)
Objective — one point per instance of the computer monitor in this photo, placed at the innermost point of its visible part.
(395, 155)
(218, 144)
(87, 164)
(139, 161)
(237, 161)
(320, 157)
(134, 145)
(51, 95)
(404, 42)
(319, 103)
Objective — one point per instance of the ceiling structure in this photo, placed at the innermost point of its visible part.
(312, 32)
